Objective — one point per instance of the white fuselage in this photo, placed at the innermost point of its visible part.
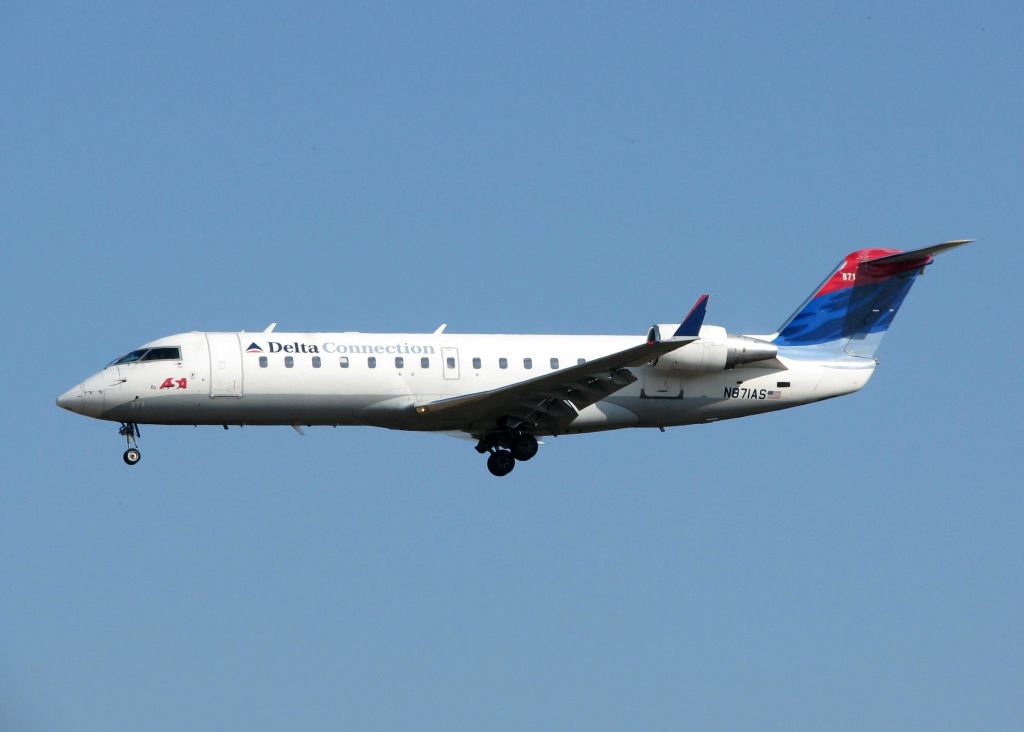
(379, 379)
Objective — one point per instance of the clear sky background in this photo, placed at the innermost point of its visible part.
(543, 167)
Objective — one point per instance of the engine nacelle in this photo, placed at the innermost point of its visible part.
(715, 350)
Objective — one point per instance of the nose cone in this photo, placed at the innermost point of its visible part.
(67, 399)
(80, 400)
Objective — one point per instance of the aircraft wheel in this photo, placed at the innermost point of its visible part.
(132, 456)
(524, 447)
(500, 462)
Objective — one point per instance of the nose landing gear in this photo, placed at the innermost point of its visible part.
(130, 431)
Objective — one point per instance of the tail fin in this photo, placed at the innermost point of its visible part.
(855, 305)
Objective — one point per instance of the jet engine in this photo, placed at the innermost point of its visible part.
(716, 350)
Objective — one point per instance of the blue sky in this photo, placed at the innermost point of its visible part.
(543, 167)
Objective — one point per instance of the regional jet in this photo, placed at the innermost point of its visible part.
(505, 392)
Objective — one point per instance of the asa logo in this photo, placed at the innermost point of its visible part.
(170, 383)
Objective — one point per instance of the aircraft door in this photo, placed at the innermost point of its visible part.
(450, 362)
(225, 364)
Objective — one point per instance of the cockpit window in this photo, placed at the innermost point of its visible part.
(129, 357)
(165, 353)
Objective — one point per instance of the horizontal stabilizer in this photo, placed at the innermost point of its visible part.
(924, 253)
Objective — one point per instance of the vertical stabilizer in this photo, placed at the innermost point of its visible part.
(854, 307)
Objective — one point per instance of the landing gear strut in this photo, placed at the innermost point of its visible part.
(506, 448)
(130, 431)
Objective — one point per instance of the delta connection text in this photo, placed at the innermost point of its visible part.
(332, 347)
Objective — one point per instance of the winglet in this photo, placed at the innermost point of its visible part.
(690, 327)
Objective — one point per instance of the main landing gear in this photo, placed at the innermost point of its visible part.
(130, 431)
(506, 449)
(500, 462)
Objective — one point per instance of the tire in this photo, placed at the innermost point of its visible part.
(501, 463)
(132, 456)
(524, 447)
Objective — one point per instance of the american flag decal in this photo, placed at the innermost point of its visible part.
(773, 395)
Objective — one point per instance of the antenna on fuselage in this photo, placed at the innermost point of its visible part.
(270, 328)
(440, 329)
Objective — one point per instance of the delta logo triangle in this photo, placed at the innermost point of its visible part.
(254, 348)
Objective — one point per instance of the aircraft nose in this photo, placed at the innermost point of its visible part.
(68, 398)
(80, 400)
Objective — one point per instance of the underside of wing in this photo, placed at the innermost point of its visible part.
(548, 403)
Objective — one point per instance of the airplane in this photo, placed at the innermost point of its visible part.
(506, 391)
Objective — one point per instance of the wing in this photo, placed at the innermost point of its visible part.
(550, 402)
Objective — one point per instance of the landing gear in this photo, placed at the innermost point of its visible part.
(505, 448)
(500, 462)
(130, 431)
(523, 446)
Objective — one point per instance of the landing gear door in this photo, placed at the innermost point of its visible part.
(450, 362)
(225, 364)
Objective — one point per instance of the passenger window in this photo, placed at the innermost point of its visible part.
(502, 363)
(399, 362)
(263, 362)
(476, 363)
(580, 361)
(424, 363)
(343, 362)
(527, 363)
(450, 361)
(554, 363)
(289, 361)
(316, 362)
(372, 362)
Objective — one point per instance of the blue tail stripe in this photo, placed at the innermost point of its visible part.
(846, 313)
